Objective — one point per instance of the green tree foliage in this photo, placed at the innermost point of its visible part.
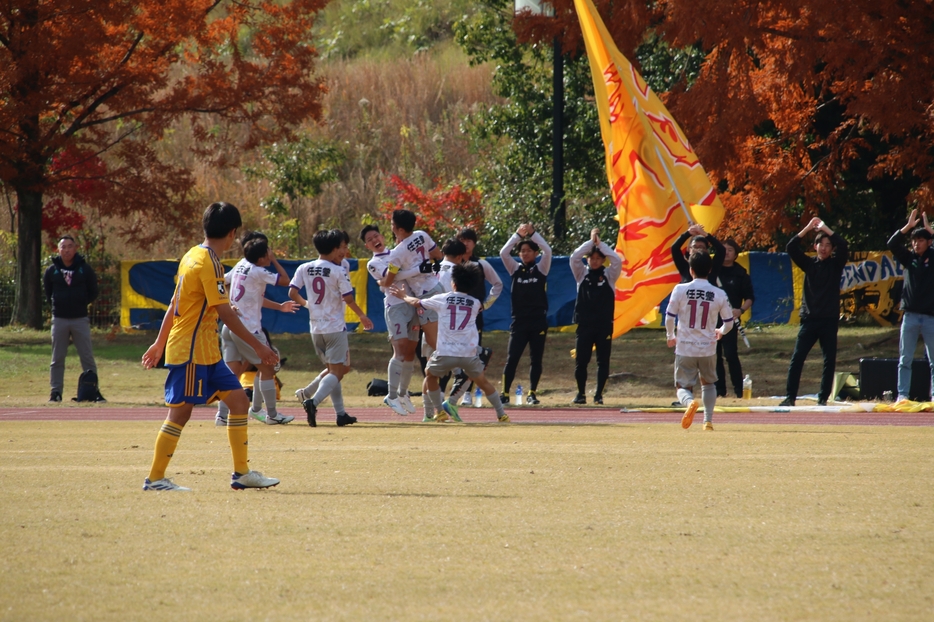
(516, 137)
(295, 170)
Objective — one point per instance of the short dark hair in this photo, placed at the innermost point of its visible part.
(366, 230)
(255, 248)
(220, 219)
(535, 247)
(596, 249)
(327, 241)
(821, 235)
(732, 244)
(453, 247)
(700, 264)
(346, 237)
(466, 276)
(701, 238)
(68, 237)
(920, 233)
(404, 219)
(467, 234)
(251, 235)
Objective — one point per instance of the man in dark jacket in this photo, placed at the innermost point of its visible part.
(735, 281)
(701, 242)
(70, 286)
(820, 306)
(917, 297)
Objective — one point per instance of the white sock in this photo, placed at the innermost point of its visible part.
(325, 388)
(312, 388)
(257, 394)
(394, 373)
(685, 396)
(405, 376)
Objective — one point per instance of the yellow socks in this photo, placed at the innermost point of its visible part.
(238, 438)
(166, 441)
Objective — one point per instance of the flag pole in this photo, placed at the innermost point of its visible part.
(674, 186)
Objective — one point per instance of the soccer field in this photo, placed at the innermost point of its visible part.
(398, 521)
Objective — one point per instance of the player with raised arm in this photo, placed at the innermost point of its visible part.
(248, 281)
(529, 305)
(401, 323)
(596, 268)
(458, 342)
(188, 337)
(696, 306)
(327, 287)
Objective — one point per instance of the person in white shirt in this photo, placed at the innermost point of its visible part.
(457, 345)
(327, 288)
(696, 306)
(247, 283)
(593, 312)
(529, 305)
(401, 323)
(462, 386)
(415, 249)
(303, 393)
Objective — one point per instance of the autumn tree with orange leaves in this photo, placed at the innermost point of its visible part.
(800, 108)
(84, 81)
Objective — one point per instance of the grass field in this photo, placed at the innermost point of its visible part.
(479, 522)
(468, 522)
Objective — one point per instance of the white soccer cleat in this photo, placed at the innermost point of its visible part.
(278, 419)
(252, 479)
(300, 394)
(466, 401)
(164, 484)
(220, 422)
(407, 404)
(259, 415)
(396, 405)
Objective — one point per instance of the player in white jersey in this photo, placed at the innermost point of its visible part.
(697, 305)
(303, 393)
(458, 340)
(247, 283)
(414, 249)
(401, 324)
(328, 288)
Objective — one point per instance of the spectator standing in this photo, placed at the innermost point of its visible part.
(701, 242)
(70, 286)
(820, 305)
(529, 325)
(593, 311)
(735, 281)
(917, 297)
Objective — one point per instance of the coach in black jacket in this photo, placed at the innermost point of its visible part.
(70, 286)
(820, 306)
(917, 297)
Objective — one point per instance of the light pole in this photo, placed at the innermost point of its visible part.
(558, 207)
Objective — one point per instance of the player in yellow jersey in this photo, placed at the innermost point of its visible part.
(188, 336)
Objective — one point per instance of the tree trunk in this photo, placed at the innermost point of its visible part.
(27, 308)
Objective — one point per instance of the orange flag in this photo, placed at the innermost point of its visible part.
(657, 183)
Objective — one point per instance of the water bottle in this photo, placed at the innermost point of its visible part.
(478, 398)
(517, 399)
(747, 388)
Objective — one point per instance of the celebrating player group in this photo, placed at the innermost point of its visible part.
(434, 300)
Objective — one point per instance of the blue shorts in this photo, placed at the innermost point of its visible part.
(198, 384)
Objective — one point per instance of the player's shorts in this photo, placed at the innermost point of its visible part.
(228, 347)
(690, 369)
(440, 366)
(247, 353)
(198, 384)
(401, 322)
(332, 348)
(426, 316)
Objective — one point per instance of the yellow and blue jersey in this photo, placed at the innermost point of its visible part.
(200, 288)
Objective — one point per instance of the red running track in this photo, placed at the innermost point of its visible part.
(534, 415)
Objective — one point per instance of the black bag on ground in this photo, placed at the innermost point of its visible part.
(377, 387)
(88, 390)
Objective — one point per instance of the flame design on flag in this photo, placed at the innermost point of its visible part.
(656, 180)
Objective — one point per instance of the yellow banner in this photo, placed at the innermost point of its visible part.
(657, 183)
